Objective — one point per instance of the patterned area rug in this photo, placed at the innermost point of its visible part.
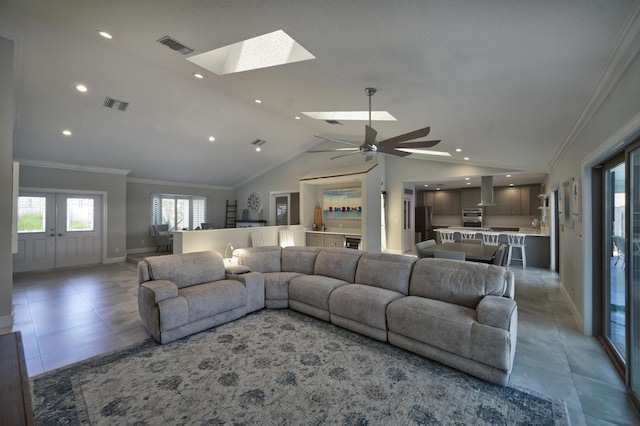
(278, 368)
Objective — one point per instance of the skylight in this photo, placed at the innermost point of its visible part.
(267, 50)
(351, 115)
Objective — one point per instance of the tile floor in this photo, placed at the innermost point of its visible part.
(73, 314)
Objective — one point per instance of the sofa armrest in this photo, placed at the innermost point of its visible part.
(161, 289)
(254, 283)
(236, 270)
(496, 311)
(510, 284)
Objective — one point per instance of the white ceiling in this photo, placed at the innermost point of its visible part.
(505, 80)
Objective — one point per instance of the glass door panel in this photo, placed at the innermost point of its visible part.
(615, 258)
(633, 338)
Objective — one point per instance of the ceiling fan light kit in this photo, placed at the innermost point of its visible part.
(393, 146)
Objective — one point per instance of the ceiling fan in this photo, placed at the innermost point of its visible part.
(390, 146)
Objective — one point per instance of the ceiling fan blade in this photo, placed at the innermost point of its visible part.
(333, 150)
(370, 135)
(344, 155)
(416, 144)
(392, 151)
(356, 144)
(420, 133)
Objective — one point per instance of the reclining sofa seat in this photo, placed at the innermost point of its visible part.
(334, 268)
(380, 279)
(278, 266)
(182, 294)
(461, 314)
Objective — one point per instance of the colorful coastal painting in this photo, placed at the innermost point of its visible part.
(342, 203)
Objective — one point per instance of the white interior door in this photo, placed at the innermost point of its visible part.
(58, 230)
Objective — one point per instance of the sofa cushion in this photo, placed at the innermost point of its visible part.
(443, 325)
(313, 290)
(209, 299)
(276, 284)
(261, 259)
(299, 259)
(339, 263)
(385, 270)
(187, 269)
(461, 283)
(362, 303)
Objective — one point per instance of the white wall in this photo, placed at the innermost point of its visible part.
(612, 125)
(6, 180)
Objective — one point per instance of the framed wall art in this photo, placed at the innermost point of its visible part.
(342, 203)
(576, 200)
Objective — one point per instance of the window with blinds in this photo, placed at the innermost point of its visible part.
(178, 211)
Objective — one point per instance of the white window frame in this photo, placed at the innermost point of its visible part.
(195, 217)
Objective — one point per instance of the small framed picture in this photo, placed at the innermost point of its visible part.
(566, 217)
(576, 200)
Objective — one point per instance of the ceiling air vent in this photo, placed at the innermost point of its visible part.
(115, 104)
(334, 122)
(258, 142)
(174, 44)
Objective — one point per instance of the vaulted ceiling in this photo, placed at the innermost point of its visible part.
(505, 81)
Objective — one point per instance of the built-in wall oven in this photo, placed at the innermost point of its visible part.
(472, 217)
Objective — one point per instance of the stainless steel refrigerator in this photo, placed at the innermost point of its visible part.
(424, 223)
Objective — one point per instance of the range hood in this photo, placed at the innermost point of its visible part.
(486, 191)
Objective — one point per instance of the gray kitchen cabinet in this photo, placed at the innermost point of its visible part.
(315, 240)
(446, 203)
(469, 198)
(324, 240)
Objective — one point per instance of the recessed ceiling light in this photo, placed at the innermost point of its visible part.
(426, 186)
(458, 149)
(351, 115)
(468, 183)
(258, 149)
(425, 151)
(297, 117)
(81, 88)
(105, 34)
(466, 158)
(267, 50)
(212, 139)
(467, 178)
(508, 175)
(258, 101)
(196, 75)
(66, 132)
(438, 189)
(511, 184)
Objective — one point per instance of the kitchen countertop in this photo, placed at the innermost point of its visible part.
(355, 234)
(525, 231)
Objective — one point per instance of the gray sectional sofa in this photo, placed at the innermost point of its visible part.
(461, 314)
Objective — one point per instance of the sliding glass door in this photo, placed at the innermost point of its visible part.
(633, 289)
(615, 261)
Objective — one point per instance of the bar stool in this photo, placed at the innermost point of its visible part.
(467, 235)
(517, 241)
(490, 238)
(446, 236)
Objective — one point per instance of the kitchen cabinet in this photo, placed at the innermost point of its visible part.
(324, 240)
(446, 203)
(510, 202)
(469, 198)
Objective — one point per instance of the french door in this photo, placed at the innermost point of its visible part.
(57, 230)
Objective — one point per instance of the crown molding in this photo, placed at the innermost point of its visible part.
(622, 55)
(180, 184)
(74, 167)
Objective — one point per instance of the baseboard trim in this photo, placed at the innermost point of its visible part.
(115, 259)
(572, 308)
(142, 250)
(6, 321)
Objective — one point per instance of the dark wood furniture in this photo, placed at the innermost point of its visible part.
(16, 407)
(472, 252)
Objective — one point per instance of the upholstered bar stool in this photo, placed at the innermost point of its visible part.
(446, 236)
(517, 241)
(490, 238)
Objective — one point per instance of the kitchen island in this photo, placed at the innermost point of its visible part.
(537, 244)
